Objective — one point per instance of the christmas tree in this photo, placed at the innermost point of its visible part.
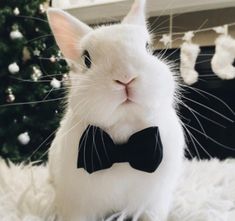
(32, 81)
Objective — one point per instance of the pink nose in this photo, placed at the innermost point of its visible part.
(125, 83)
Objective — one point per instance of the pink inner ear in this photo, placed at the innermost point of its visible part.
(68, 31)
(65, 36)
(135, 8)
(67, 40)
(137, 14)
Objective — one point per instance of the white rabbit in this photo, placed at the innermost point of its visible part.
(114, 55)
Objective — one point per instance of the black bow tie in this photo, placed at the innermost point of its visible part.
(97, 150)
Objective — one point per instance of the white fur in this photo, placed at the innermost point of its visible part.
(118, 53)
(26, 193)
(188, 56)
(206, 192)
(222, 61)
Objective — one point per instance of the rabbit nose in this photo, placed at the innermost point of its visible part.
(126, 83)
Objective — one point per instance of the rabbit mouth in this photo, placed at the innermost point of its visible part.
(128, 100)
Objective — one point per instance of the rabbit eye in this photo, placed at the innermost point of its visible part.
(86, 58)
(147, 46)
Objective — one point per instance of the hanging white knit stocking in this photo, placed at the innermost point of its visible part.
(222, 61)
(188, 56)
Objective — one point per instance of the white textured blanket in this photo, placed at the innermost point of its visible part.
(206, 193)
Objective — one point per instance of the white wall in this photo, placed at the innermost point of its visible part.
(96, 11)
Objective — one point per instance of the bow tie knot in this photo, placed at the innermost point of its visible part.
(97, 151)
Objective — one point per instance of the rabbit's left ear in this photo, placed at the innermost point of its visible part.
(136, 15)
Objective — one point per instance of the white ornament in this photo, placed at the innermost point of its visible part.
(166, 39)
(188, 36)
(36, 52)
(16, 11)
(42, 8)
(222, 61)
(65, 77)
(59, 54)
(37, 73)
(24, 138)
(53, 58)
(221, 29)
(16, 34)
(55, 83)
(13, 68)
(188, 56)
(10, 98)
(34, 77)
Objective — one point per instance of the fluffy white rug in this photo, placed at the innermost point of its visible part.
(206, 193)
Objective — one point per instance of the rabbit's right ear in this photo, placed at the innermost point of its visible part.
(68, 32)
